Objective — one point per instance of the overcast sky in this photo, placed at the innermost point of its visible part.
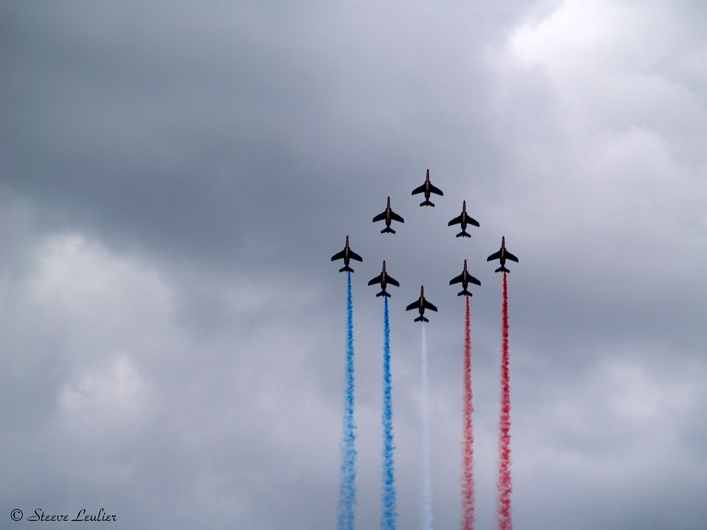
(175, 177)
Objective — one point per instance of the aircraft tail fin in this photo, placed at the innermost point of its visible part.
(427, 203)
(387, 229)
(464, 292)
(502, 269)
(383, 293)
(346, 268)
(463, 234)
(421, 319)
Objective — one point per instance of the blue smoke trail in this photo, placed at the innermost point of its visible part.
(426, 490)
(389, 513)
(347, 492)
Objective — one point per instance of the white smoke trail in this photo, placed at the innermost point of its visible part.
(426, 490)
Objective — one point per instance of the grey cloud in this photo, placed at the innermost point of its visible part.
(182, 362)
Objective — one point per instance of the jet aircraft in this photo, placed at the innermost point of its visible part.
(347, 254)
(384, 279)
(502, 255)
(464, 220)
(421, 304)
(388, 216)
(427, 188)
(465, 278)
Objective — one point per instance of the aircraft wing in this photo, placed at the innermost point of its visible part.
(395, 217)
(414, 305)
(457, 279)
(430, 306)
(340, 255)
(455, 221)
(435, 190)
(418, 190)
(511, 257)
(497, 255)
(393, 281)
(355, 256)
(377, 279)
(379, 217)
(474, 280)
(471, 221)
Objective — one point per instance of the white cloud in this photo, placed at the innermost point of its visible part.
(614, 66)
(634, 396)
(105, 398)
(608, 144)
(107, 299)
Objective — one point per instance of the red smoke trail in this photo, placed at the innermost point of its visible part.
(505, 485)
(468, 516)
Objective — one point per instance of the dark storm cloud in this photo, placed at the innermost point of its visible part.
(164, 128)
(186, 125)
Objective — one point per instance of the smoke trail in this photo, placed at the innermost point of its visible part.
(505, 486)
(347, 492)
(468, 515)
(426, 491)
(389, 514)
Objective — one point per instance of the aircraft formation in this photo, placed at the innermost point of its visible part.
(384, 279)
